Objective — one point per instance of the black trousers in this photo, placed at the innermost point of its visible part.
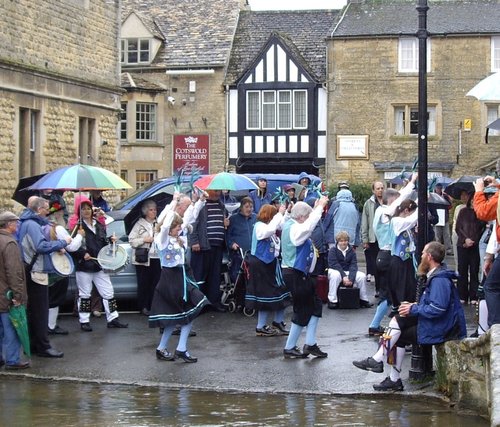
(206, 266)
(468, 272)
(57, 292)
(147, 279)
(38, 315)
(371, 262)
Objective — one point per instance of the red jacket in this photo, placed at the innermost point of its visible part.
(486, 209)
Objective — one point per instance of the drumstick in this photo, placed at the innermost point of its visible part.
(104, 261)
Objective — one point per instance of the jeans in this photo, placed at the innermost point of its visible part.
(9, 340)
(492, 293)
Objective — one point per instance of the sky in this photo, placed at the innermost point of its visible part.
(296, 4)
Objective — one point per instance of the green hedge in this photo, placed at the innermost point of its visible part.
(360, 191)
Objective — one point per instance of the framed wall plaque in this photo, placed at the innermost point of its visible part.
(352, 147)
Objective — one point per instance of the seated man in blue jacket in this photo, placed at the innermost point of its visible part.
(343, 271)
(438, 317)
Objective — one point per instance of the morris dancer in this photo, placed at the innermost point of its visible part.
(88, 269)
(177, 299)
(298, 261)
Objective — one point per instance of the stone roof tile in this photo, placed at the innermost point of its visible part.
(198, 33)
(400, 17)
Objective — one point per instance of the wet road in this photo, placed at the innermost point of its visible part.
(230, 356)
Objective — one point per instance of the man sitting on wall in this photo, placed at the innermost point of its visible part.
(343, 271)
(438, 317)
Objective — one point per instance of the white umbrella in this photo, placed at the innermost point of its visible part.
(487, 89)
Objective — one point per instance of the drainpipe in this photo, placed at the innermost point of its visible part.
(226, 160)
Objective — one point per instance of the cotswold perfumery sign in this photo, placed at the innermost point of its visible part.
(191, 151)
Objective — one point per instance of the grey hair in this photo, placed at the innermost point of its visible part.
(36, 202)
(300, 209)
(146, 205)
(389, 193)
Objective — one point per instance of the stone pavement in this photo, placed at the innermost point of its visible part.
(230, 356)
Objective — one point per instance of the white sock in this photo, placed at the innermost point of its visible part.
(394, 332)
(396, 369)
(53, 313)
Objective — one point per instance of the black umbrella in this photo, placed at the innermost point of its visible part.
(161, 199)
(21, 194)
(432, 198)
(464, 183)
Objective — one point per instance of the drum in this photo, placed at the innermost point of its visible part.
(63, 263)
(112, 258)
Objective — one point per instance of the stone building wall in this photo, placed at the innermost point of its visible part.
(72, 38)
(364, 84)
(58, 61)
(8, 180)
(185, 117)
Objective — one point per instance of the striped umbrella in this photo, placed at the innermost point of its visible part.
(226, 181)
(80, 178)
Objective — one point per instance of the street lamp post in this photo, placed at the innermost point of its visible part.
(421, 358)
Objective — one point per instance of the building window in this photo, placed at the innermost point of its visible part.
(144, 177)
(135, 51)
(300, 109)
(408, 55)
(268, 109)
(123, 121)
(253, 110)
(86, 141)
(29, 133)
(406, 120)
(145, 122)
(492, 115)
(282, 109)
(495, 54)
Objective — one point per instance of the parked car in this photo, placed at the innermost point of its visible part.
(167, 185)
(125, 281)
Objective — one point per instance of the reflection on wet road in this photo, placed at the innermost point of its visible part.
(26, 402)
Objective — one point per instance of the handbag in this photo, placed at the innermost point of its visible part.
(142, 254)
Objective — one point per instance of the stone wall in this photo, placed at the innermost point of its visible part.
(74, 38)
(185, 117)
(468, 371)
(364, 85)
(8, 180)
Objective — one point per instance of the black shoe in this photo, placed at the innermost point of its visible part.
(164, 355)
(58, 331)
(281, 326)
(184, 355)
(266, 331)
(177, 331)
(376, 332)
(50, 352)
(17, 366)
(85, 327)
(314, 350)
(365, 304)
(115, 323)
(369, 364)
(333, 305)
(389, 385)
(294, 353)
(475, 334)
(145, 312)
(219, 308)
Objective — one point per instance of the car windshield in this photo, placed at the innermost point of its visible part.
(117, 227)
